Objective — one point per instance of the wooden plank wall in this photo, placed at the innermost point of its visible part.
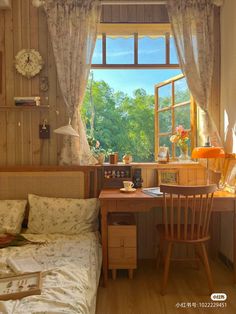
(25, 26)
(134, 14)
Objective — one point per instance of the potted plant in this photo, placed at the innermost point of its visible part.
(97, 151)
(127, 158)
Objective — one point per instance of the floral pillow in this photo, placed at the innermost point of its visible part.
(62, 215)
(11, 215)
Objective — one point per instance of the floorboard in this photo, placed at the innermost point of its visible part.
(186, 285)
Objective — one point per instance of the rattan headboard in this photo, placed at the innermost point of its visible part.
(77, 181)
(72, 182)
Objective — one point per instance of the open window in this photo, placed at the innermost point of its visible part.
(120, 109)
(174, 106)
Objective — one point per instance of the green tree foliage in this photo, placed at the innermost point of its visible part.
(120, 122)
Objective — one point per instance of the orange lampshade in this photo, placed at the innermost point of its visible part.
(208, 152)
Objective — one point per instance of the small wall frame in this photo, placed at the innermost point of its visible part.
(163, 155)
(17, 287)
(168, 176)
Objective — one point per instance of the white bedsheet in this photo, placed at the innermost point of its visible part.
(71, 269)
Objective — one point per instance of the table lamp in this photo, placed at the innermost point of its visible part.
(207, 152)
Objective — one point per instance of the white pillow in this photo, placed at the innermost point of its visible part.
(11, 215)
(62, 215)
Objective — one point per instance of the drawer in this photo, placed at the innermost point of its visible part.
(122, 257)
(124, 236)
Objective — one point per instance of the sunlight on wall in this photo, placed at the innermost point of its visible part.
(230, 134)
(228, 103)
(228, 75)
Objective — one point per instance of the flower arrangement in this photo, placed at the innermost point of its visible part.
(97, 151)
(95, 147)
(180, 138)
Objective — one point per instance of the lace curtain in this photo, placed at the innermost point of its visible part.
(192, 26)
(73, 28)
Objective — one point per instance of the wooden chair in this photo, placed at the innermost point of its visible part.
(186, 219)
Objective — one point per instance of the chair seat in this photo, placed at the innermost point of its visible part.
(190, 238)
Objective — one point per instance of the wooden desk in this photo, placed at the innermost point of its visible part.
(112, 200)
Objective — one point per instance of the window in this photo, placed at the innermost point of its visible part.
(119, 108)
(134, 46)
(173, 106)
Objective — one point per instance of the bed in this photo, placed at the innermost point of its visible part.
(68, 250)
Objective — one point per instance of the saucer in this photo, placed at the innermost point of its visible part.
(127, 191)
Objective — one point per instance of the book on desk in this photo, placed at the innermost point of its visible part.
(154, 191)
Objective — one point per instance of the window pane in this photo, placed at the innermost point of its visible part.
(164, 96)
(151, 50)
(173, 51)
(165, 121)
(182, 116)
(120, 50)
(97, 55)
(182, 92)
(165, 141)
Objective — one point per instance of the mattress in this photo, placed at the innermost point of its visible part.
(71, 269)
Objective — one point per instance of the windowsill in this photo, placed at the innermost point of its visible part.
(156, 164)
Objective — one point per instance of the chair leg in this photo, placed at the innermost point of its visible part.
(166, 267)
(197, 257)
(207, 267)
(160, 252)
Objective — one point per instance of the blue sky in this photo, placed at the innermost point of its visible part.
(129, 80)
(121, 51)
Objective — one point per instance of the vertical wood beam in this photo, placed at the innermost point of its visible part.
(167, 39)
(173, 114)
(136, 48)
(156, 126)
(104, 49)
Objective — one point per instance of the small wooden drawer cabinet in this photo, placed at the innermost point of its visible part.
(122, 243)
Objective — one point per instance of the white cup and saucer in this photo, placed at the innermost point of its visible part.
(128, 187)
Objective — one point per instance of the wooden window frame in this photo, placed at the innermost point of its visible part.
(113, 29)
(105, 30)
(172, 107)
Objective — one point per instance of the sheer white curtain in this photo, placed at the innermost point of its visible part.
(192, 26)
(73, 28)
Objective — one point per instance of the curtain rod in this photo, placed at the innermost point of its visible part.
(135, 2)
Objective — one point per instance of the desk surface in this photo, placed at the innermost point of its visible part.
(116, 194)
(112, 200)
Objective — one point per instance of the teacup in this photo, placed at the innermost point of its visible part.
(128, 185)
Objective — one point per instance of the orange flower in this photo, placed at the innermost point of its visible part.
(184, 134)
(181, 136)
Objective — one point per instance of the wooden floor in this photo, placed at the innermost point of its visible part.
(186, 284)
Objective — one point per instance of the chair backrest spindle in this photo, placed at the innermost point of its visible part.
(187, 211)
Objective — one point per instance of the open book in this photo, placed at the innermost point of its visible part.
(155, 191)
(23, 264)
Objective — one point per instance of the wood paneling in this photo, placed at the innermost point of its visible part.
(134, 14)
(25, 26)
(214, 105)
(189, 174)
